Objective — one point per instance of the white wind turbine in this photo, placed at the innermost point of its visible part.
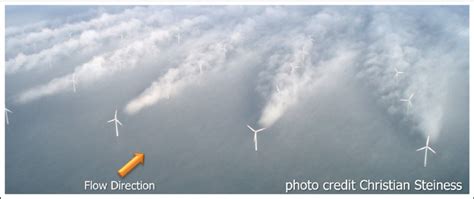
(179, 38)
(200, 68)
(121, 64)
(117, 122)
(6, 114)
(49, 63)
(168, 91)
(426, 148)
(255, 135)
(222, 47)
(397, 73)
(293, 68)
(408, 101)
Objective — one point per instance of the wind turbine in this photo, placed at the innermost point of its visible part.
(397, 73)
(6, 114)
(223, 47)
(121, 64)
(116, 121)
(293, 68)
(74, 82)
(408, 101)
(255, 135)
(200, 68)
(278, 89)
(168, 91)
(303, 48)
(179, 38)
(426, 148)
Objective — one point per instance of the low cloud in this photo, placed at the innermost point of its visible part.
(299, 49)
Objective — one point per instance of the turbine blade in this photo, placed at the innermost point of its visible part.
(429, 148)
(111, 120)
(259, 130)
(119, 123)
(251, 128)
(422, 148)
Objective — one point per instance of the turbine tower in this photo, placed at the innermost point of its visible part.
(179, 38)
(117, 122)
(200, 68)
(168, 91)
(74, 82)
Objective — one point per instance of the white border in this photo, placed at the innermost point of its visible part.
(221, 2)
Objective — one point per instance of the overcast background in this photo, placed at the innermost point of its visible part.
(186, 80)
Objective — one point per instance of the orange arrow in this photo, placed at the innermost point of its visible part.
(138, 158)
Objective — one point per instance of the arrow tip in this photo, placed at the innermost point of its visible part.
(141, 157)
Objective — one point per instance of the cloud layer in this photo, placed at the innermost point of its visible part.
(299, 49)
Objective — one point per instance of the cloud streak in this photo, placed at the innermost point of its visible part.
(83, 39)
(106, 64)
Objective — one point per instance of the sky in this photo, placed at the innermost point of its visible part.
(331, 85)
